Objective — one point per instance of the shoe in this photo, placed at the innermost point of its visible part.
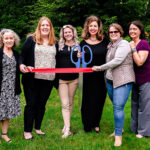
(5, 137)
(113, 134)
(66, 133)
(118, 141)
(63, 130)
(97, 129)
(39, 132)
(28, 138)
(139, 136)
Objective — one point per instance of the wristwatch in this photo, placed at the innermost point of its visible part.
(134, 50)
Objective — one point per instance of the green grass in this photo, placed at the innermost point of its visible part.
(53, 123)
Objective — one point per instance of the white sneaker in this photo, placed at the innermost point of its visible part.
(66, 133)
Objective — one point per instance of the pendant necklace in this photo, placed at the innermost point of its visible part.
(93, 40)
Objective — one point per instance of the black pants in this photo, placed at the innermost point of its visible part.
(36, 98)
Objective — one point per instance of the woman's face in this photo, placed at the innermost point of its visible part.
(134, 31)
(114, 34)
(93, 28)
(68, 34)
(8, 39)
(45, 28)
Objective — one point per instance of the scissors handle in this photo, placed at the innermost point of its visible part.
(84, 63)
(77, 63)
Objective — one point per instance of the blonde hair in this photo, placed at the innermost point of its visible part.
(118, 27)
(62, 39)
(16, 37)
(37, 34)
(86, 34)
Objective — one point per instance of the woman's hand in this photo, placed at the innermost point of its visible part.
(132, 44)
(79, 54)
(30, 68)
(23, 68)
(96, 68)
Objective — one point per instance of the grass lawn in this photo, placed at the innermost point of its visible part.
(53, 123)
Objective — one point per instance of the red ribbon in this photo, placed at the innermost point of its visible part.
(61, 70)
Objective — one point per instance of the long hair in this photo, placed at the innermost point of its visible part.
(16, 37)
(86, 34)
(141, 28)
(62, 39)
(37, 34)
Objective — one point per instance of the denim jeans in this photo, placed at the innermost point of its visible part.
(119, 97)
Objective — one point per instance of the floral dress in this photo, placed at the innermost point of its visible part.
(9, 102)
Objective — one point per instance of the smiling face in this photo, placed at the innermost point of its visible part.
(68, 34)
(8, 39)
(134, 31)
(45, 28)
(93, 28)
(114, 34)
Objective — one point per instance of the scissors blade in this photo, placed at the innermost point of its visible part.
(80, 86)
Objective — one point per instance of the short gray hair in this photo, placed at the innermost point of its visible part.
(16, 37)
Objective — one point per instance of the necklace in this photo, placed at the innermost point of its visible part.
(93, 40)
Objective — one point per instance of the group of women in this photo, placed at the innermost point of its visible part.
(127, 67)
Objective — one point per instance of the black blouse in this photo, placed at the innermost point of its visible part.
(64, 61)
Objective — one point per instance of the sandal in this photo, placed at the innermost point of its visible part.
(30, 138)
(66, 133)
(6, 138)
(97, 129)
(64, 129)
(39, 132)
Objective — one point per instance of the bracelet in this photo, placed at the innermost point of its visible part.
(134, 50)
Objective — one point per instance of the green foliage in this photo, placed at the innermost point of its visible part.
(22, 16)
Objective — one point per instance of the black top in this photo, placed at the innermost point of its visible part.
(94, 90)
(17, 79)
(64, 61)
(27, 58)
(99, 52)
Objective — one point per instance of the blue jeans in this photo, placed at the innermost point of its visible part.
(119, 97)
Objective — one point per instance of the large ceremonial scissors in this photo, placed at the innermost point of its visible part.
(78, 65)
(78, 62)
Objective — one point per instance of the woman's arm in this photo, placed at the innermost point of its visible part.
(140, 56)
(121, 53)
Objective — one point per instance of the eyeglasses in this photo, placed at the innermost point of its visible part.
(111, 32)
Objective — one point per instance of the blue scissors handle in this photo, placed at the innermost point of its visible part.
(84, 63)
(77, 63)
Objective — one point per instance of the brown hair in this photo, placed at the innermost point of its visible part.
(118, 27)
(37, 34)
(141, 28)
(86, 34)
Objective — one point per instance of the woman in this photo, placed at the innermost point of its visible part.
(94, 91)
(9, 80)
(67, 82)
(119, 66)
(140, 122)
(38, 51)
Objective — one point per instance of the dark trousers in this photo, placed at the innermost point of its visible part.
(36, 98)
